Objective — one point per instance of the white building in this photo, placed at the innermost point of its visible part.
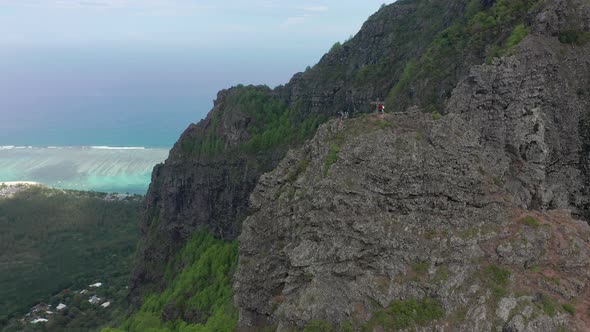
(94, 299)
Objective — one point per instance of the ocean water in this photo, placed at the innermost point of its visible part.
(96, 168)
(146, 96)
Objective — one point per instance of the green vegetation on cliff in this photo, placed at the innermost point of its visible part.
(208, 145)
(398, 315)
(199, 297)
(481, 34)
(275, 123)
(404, 314)
(332, 157)
(574, 37)
(409, 36)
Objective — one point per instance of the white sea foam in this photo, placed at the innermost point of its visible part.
(119, 169)
(7, 147)
(118, 147)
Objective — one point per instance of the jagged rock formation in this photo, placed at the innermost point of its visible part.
(367, 67)
(189, 193)
(476, 213)
(483, 211)
(409, 210)
(194, 190)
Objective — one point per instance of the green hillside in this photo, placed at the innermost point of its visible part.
(51, 240)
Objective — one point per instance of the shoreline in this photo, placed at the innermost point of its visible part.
(9, 188)
(20, 183)
(82, 147)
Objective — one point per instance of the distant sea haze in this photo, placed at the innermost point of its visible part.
(55, 101)
(97, 168)
(107, 144)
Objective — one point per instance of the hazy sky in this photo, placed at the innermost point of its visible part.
(105, 71)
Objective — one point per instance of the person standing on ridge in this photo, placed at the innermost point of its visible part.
(340, 118)
(380, 108)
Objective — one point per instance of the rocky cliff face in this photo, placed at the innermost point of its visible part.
(197, 188)
(206, 181)
(366, 67)
(473, 221)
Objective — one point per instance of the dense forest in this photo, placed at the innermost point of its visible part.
(199, 298)
(54, 244)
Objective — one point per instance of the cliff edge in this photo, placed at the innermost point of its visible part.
(475, 220)
(464, 210)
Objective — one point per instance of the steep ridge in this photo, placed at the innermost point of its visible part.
(476, 220)
(213, 168)
(368, 66)
(505, 147)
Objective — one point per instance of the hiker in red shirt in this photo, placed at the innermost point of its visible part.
(380, 108)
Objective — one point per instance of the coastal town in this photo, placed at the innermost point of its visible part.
(68, 303)
(71, 275)
(9, 189)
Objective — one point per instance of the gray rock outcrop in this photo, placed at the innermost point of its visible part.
(484, 210)
(194, 191)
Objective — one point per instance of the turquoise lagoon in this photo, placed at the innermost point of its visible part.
(95, 168)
